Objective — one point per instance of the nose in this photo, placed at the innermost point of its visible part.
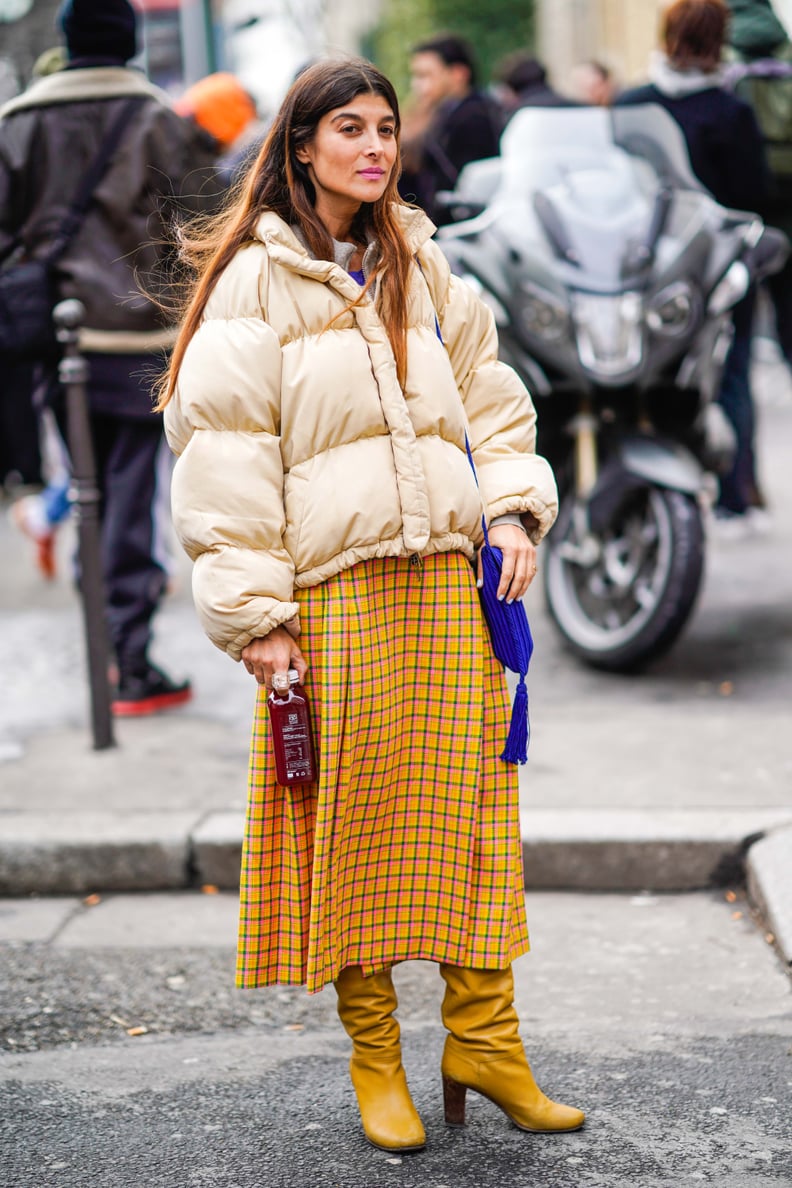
(375, 146)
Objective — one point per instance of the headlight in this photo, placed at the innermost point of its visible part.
(489, 299)
(673, 311)
(540, 315)
(609, 332)
(730, 289)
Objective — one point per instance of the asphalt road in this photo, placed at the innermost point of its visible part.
(667, 1018)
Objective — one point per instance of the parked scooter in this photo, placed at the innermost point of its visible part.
(611, 274)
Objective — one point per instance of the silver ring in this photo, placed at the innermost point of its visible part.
(280, 681)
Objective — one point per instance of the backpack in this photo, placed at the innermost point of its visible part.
(766, 85)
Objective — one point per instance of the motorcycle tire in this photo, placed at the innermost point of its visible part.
(627, 607)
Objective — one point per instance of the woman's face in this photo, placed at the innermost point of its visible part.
(352, 155)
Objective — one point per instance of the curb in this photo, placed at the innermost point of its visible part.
(769, 875)
(599, 850)
(61, 855)
(633, 850)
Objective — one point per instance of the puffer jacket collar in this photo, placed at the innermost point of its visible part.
(285, 248)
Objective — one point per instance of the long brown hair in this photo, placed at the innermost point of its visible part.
(277, 181)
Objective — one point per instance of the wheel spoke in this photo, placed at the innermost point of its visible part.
(645, 596)
(606, 591)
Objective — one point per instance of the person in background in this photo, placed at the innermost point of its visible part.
(461, 124)
(520, 80)
(592, 83)
(225, 110)
(40, 514)
(762, 77)
(49, 135)
(727, 155)
(323, 490)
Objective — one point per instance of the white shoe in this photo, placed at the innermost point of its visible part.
(760, 522)
(729, 527)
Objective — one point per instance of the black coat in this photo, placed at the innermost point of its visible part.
(723, 139)
(463, 130)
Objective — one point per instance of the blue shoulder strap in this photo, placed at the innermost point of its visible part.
(467, 441)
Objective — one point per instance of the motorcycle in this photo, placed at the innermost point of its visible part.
(611, 274)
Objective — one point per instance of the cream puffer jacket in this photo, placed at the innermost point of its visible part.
(299, 454)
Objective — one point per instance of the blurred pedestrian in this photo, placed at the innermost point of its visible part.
(762, 77)
(40, 514)
(521, 81)
(462, 123)
(727, 154)
(49, 137)
(226, 111)
(323, 490)
(592, 83)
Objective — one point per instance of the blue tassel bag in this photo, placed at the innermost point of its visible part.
(511, 638)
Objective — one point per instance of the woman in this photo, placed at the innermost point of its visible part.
(727, 155)
(324, 492)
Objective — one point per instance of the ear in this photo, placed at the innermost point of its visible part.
(461, 74)
(302, 154)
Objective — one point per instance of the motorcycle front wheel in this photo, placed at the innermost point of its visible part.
(620, 599)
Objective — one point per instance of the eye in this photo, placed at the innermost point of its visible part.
(350, 128)
(387, 130)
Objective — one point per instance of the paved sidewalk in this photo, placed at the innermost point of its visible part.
(668, 781)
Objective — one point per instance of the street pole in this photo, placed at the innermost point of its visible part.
(199, 54)
(73, 375)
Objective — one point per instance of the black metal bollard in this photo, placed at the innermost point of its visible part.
(73, 375)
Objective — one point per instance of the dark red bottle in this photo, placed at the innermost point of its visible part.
(292, 740)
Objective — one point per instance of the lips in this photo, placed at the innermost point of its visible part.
(374, 174)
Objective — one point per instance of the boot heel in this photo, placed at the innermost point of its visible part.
(454, 1102)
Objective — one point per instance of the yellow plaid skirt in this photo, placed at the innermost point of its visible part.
(408, 846)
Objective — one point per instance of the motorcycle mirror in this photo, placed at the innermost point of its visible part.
(458, 208)
(769, 254)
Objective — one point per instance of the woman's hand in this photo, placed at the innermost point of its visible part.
(275, 654)
(519, 560)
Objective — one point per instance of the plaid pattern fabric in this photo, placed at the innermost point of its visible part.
(409, 844)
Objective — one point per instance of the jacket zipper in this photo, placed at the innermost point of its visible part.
(417, 565)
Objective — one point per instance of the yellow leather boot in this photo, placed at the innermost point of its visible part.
(484, 1052)
(365, 1007)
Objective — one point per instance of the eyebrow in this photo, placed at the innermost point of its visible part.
(355, 115)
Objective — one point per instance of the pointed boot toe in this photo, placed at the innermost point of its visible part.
(507, 1081)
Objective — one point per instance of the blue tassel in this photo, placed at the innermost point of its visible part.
(516, 749)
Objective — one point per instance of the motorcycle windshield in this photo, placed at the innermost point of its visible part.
(588, 188)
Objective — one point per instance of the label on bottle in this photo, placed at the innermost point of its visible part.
(296, 738)
(291, 737)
